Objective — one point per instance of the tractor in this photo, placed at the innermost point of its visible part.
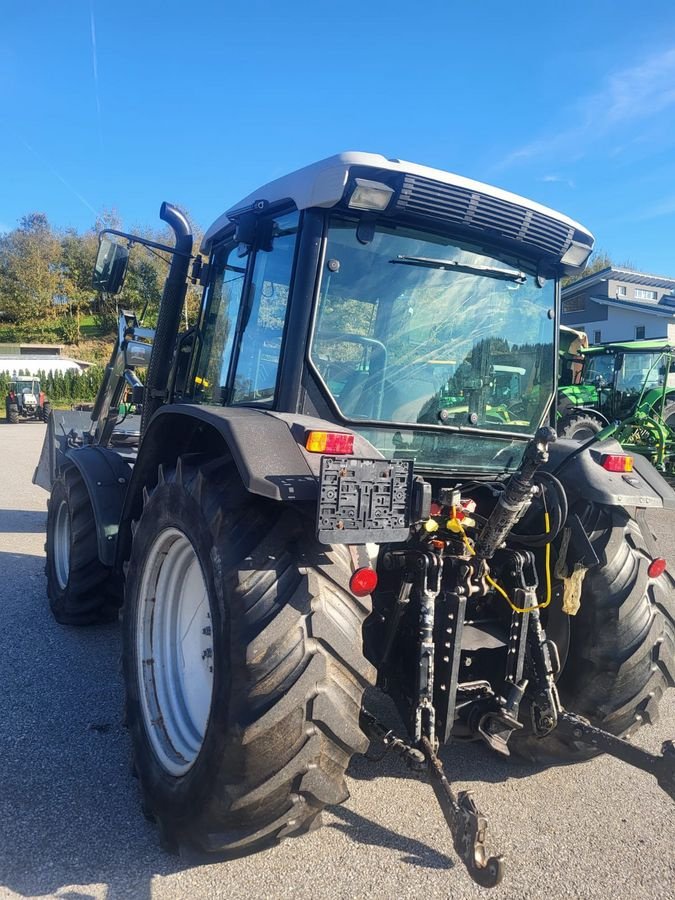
(25, 400)
(343, 480)
(631, 384)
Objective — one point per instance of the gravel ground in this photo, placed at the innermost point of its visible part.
(71, 826)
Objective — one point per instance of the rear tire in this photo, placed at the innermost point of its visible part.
(233, 759)
(622, 649)
(669, 415)
(579, 426)
(12, 410)
(78, 585)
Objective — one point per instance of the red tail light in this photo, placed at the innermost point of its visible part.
(339, 442)
(656, 567)
(614, 462)
(363, 581)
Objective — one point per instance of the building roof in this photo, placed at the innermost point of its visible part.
(651, 307)
(323, 184)
(617, 273)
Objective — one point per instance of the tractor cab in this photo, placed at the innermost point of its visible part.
(620, 377)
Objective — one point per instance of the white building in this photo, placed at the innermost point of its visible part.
(618, 304)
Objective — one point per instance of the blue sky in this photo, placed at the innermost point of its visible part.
(125, 104)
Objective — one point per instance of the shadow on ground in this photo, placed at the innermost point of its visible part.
(22, 521)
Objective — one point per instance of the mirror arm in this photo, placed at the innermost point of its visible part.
(134, 239)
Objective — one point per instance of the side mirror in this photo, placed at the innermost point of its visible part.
(618, 362)
(111, 267)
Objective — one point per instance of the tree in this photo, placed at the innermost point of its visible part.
(599, 260)
(29, 270)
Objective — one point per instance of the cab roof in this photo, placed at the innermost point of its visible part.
(323, 183)
(651, 345)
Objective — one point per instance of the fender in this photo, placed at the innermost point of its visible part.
(267, 448)
(106, 476)
(651, 400)
(580, 470)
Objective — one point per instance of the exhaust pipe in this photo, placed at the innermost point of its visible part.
(170, 311)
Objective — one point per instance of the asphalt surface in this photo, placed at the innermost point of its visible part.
(71, 825)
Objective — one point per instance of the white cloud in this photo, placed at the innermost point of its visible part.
(633, 94)
(558, 179)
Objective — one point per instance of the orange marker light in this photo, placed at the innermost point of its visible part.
(613, 462)
(329, 442)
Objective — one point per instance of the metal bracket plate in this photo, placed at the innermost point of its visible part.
(364, 500)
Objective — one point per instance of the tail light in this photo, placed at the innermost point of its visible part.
(339, 442)
(363, 581)
(615, 462)
(656, 567)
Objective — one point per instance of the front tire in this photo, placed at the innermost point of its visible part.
(621, 657)
(579, 426)
(246, 734)
(78, 584)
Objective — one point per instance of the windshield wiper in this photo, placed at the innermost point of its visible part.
(449, 265)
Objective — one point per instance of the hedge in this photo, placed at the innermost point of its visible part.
(63, 387)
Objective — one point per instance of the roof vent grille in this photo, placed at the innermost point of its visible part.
(500, 218)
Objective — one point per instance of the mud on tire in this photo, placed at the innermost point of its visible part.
(288, 667)
(622, 648)
(79, 586)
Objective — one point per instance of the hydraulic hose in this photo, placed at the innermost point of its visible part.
(170, 310)
(515, 496)
(557, 501)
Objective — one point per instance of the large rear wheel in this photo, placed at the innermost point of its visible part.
(243, 664)
(621, 656)
(12, 412)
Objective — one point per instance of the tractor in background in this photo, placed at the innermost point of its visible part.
(26, 400)
(628, 386)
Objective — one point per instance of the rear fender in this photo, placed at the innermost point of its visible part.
(584, 478)
(266, 447)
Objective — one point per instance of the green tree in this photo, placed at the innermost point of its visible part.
(29, 270)
(599, 260)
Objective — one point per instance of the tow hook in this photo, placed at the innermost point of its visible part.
(468, 826)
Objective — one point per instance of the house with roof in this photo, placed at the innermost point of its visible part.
(616, 304)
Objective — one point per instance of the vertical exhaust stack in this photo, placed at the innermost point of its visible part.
(170, 310)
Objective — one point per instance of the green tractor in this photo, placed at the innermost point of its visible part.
(631, 384)
(343, 477)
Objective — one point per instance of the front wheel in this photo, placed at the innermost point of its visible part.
(579, 426)
(80, 588)
(243, 664)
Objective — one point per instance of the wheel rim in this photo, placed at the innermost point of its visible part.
(174, 651)
(62, 545)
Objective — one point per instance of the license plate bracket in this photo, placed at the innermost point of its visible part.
(364, 500)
